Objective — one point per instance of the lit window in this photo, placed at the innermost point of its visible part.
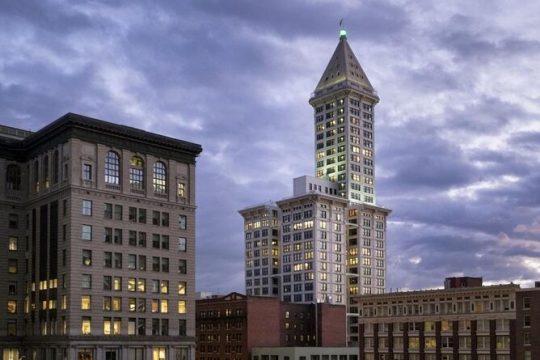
(164, 286)
(112, 168)
(12, 266)
(107, 326)
(141, 285)
(155, 305)
(116, 304)
(86, 302)
(87, 257)
(86, 325)
(181, 190)
(159, 353)
(182, 288)
(136, 173)
(160, 177)
(164, 307)
(117, 283)
(12, 243)
(117, 326)
(181, 306)
(12, 306)
(132, 284)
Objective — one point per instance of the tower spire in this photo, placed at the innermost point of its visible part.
(342, 31)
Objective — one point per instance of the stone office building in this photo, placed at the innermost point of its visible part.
(97, 229)
(467, 322)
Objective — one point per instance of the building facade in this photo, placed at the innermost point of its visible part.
(313, 251)
(343, 103)
(339, 249)
(262, 252)
(528, 323)
(99, 243)
(456, 323)
(230, 326)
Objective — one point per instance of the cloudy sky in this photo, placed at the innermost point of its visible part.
(457, 128)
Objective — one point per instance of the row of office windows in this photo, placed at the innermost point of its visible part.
(115, 260)
(139, 305)
(458, 306)
(112, 173)
(114, 283)
(14, 173)
(135, 326)
(135, 215)
(135, 238)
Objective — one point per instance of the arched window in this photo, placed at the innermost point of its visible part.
(13, 177)
(160, 177)
(56, 167)
(112, 168)
(136, 173)
(46, 171)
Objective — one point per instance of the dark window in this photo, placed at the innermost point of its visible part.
(13, 221)
(56, 167)
(182, 325)
(13, 177)
(182, 266)
(87, 172)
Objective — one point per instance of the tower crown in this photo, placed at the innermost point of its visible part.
(344, 66)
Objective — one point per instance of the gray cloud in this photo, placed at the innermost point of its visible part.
(457, 135)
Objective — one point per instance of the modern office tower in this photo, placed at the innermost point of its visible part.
(261, 231)
(98, 229)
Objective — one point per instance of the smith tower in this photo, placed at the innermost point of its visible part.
(327, 242)
(343, 101)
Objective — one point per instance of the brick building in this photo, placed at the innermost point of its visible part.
(228, 327)
(97, 233)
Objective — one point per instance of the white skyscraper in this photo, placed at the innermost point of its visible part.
(331, 235)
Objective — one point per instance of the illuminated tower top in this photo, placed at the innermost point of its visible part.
(344, 101)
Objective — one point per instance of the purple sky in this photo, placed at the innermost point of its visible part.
(457, 128)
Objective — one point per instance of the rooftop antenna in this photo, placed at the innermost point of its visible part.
(342, 31)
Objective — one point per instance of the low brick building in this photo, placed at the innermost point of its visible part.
(228, 327)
